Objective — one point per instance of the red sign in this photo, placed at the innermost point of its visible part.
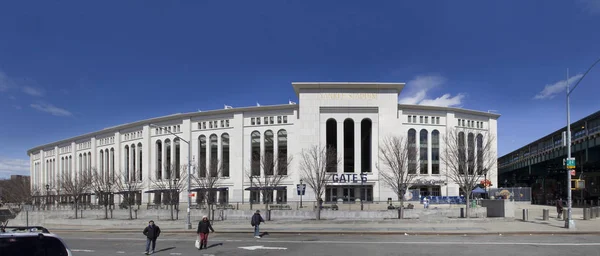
(192, 195)
(573, 172)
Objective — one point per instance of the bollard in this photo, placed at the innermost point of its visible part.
(400, 212)
(525, 214)
(462, 212)
(592, 212)
(546, 214)
(597, 212)
(586, 213)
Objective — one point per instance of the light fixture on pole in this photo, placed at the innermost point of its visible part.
(189, 199)
(569, 222)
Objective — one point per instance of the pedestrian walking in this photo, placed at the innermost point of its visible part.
(256, 220)
(203, 229)
(559, 207)
(152, 232)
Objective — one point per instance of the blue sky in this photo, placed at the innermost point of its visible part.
(72, 67)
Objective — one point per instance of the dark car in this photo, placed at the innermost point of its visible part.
(27, 241)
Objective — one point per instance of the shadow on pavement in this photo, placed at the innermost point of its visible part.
(264, 234)
(214, 245)
(165, 249)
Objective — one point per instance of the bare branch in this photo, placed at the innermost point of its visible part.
(16, 191)
(275, 169)
(207, 179)
(314, 165)
(398, 164)
(469, 155)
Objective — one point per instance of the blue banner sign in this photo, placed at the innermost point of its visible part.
(349, 177)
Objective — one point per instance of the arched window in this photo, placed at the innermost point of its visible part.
(461, 153)
(424, 166)
(159, 162)
(168, 162)
(471, 148)
(80, 169)
(225, 154)
(127, 172)
(331, 144)
(214, 150)
(255, 152)
(412, 151)
(282, 152)
(133, 163)
(202, 158)
(435, 152)
(112, 163)
(107, 166)
(89, 159)
(348, 145)
(269, 162)
(140, 167)
(480, 149)
(101, 158)
(177, 158)
(365, 144)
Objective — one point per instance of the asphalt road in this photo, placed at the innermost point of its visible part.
(244, 244)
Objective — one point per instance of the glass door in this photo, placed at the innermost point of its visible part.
(348, 194)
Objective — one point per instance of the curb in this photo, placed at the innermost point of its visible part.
(409, 233)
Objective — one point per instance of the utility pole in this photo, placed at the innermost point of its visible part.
(569, 223)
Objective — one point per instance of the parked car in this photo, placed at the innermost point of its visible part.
(27, 241)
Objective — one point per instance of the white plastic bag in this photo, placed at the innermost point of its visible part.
(197, 244)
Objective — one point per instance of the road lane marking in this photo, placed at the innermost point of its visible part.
(369, 242)
(175, 253)
(121, 252)
(81, 250)
(261, 247)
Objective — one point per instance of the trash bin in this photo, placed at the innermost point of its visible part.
(546, 214)
(525, 214)
(462, 212)
(597, 211)
(586, 213)
(473, 203)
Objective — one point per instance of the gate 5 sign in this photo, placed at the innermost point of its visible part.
(348, 178)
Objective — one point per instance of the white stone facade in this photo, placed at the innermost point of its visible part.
(135, 146)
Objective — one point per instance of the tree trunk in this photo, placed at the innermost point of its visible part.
(76, 209)
(318, 212)
(467, 211)
(172, 218)
(130, 212)
(105, 211)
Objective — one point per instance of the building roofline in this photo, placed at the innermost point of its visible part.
(461, 110)
(346, 85)
(113, 129)
(591, 116)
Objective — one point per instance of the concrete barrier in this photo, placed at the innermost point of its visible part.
(97, 216)
(546, 214)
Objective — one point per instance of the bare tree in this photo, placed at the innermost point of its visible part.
(171, 184)
(104, 187)
(128, 187)
(207, 180)
(469, 154)
(76, 186)
(17, 191)
(275, 169)
(314, 166)
(398, 164)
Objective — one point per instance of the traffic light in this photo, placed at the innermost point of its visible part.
(577, 184)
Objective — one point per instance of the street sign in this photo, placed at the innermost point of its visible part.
(28, 207)
(301, 188)
(572, 172)
(571, 163)
(192, 195)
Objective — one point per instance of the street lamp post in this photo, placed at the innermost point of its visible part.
(569, 222)
(189, 199)
(47, 195)
(301, 182)
(363, 193)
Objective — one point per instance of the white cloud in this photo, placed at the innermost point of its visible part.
(550, 90)
(49, 108)
(10, 166)
(590, 6)
(5, 82)
(418, 88)
(12, 97)
(17, 107)
(33, 91)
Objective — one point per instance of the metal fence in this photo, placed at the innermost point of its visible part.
(519, 194)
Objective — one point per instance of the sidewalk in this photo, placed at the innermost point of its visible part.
(402, 227)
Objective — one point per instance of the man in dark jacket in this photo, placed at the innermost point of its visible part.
(151, 232)
(203, 228)
(559, 207)
(256, 220)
